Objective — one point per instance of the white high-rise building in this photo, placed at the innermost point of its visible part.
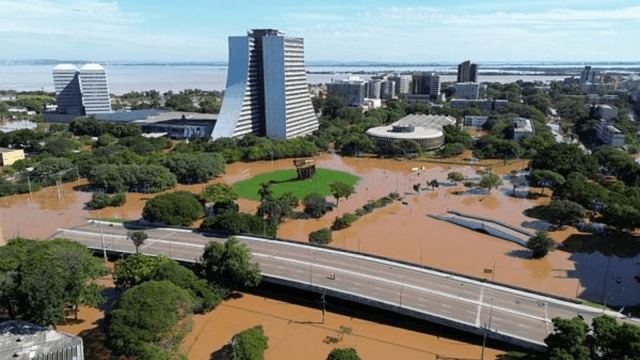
(95, 89)
(83, 91)
(267, 91)
(67, 87)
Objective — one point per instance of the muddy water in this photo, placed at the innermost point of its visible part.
(397, 231)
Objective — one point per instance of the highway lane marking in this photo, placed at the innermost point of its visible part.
(558, 304)
(479, 306)
(410, 286)
(124, 237)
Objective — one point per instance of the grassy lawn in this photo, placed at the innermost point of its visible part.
(319, 183)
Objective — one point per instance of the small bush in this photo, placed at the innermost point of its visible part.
(344, 221)
(394, 195)
(322, 236)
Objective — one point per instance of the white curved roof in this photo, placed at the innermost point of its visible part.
(92, 66)
(70, 67)
(418, 133)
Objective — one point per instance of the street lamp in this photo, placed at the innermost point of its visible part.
(104, 248)
(484, 336)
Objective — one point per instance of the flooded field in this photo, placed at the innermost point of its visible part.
(397, 231)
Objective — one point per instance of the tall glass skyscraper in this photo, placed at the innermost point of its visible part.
(83, 91)
(267, 91)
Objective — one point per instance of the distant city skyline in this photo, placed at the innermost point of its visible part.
(408, 31)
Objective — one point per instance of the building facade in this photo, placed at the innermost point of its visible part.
(467, 90)
(9, 156)
(83, 91)
(426, 130)
(474, 121)
(267, 91)
(353, 90)
(609, 134)
(522, 127)
(426, 84)
(467, 72)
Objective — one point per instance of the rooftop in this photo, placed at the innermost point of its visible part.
(21, 339)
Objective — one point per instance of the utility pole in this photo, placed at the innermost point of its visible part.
(104, 248)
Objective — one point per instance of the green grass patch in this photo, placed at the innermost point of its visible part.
(597, 305)
(300, 188)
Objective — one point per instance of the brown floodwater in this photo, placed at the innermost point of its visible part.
(398, 231)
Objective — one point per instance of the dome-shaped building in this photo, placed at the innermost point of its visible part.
(426, 130)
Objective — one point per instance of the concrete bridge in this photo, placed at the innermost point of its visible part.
(488, 225)
(481, 307)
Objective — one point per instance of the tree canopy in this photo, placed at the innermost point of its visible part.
(343, 354)
(152, 313)
(229, 265)
(176, 208)
(38, 279)
(249, 344)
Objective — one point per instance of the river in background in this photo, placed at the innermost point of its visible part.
(124, 78)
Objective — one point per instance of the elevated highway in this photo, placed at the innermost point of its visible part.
(503, 313)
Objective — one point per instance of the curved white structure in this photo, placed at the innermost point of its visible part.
(266, 91)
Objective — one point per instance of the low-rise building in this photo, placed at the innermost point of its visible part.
(426, 130)
(609, 134)
(467, 90)
(353, 90)
(606, 112)
(474, 121)
(522, 127)
(9, 156)
(22, 340)
(482, 104)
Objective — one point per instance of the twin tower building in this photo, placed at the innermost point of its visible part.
(266, 92)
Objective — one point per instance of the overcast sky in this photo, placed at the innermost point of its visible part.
(346, 30)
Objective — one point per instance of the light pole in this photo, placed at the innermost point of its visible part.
(311, 271)
(104, 248)
(484, 336)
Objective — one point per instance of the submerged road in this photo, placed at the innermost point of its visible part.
(499, 312)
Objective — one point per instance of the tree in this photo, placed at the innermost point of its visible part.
(434, 184)
(567, 341)
(516, 182)
(191, 168)
(229, 265)
(489, 181)
(565, 211)
(218, 193)
(166, 308)
(177, 208)
(249, 344)
(39, 279)
(416, 188)
(540, 244)
(138, 238)
(343, 354)
(205, 299)
(621, 217)
(546, 179)
(455, 177)
(137, 269)
(341, 190)
(314, 205)
(322, 236)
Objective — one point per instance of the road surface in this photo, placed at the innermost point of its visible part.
(480, 307)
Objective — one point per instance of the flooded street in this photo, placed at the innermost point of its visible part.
(397, 231)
